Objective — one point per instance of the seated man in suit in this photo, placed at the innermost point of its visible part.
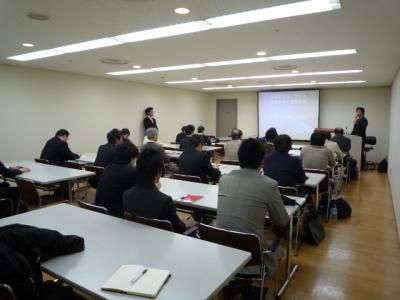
(194, 162)
(185, 142)
(106, 152)
(343, 142)
(56, 150)
(231, 148)
(6, 191)
(270, 135)
(200, 131)
(317, 156)
(245, 197)
(152, 143)
(181, 135)
(116, 179)
(281, 166)
(125, 136)
(145, 199)
(333, 146)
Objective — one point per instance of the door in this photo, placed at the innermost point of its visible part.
(226, 116)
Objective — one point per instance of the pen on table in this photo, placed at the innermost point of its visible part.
(138, 277)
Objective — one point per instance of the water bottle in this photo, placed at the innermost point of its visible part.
(333, 213)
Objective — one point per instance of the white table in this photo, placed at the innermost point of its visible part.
(47, 174)
(173, 153)
(87, 158)
(209, 203)
(313, 181)
(225, 169)
(295, 152)
(177, 147)
(198, 268)
(298, 146)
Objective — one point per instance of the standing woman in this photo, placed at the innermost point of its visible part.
(149, 121)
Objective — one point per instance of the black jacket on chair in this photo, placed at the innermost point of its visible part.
(284, 168)
(56, 151)
(197, 163)
(149, 202)
(105, 155)
(149, 123)
(115, 180)
(343, 142)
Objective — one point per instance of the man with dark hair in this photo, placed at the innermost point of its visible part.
(343, 142)
(125, 136)
(231, 148)
(360, 129)
(194, 162)
(270, 135)
(116, 179)
(106, 152)
(206, 140)
(149, 121)
(245, 197)
(185, 142)
(56, 150)
(181, 135)
(152, 143)
(281, 166)
(317, 156)
(145, 199)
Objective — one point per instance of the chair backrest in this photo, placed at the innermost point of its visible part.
(42, 161)
(28, 192)
(288, 191)
(6, 292)
(324, 184)
(72, 165)
(230, 162)
(186, 178)
(244, 241)
(94, 180)
(92, 207)
(370, 140)
(160, 224)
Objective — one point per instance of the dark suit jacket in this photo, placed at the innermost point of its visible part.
(180, 136)
(8, 172)
(149, 202)
(205, 140)
(147, 123)
(360, 128)
(343, 142)
(127, 142)
(184, 143)
(284, 168)
(196, 163)
(56, 151)
(105, 155)
(158, 148)
(115, 181)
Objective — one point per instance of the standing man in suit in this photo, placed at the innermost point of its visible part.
(57, 150)
(360, 129)
(105, 153)
(149, 121)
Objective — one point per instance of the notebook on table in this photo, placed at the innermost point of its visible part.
(137, 280)
(189, 198)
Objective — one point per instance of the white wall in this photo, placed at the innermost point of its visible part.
(337, 108)
(35, 103)
(394, 149)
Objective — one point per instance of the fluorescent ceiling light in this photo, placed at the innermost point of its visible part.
(235, 19)
(342, 82)
(29, 45)
(136, 66)
(236, 62)
(181, 67)
(268, 76)
(129, 72)
(35, 55)
(261, 53)
(314, 54)
(219, 88)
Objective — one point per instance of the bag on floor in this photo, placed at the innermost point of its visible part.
(343, 207)
(313, 227)
(353, 169)
(383, 166)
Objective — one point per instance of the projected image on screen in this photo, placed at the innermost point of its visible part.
(295, 113)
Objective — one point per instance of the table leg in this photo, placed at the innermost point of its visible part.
(70, 191)
(317, 197)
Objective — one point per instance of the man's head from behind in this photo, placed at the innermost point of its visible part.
(125, 133)
(251, 154)
(318, 139)
(62, 134)
(149, 167)
(283, 143)
(114, 136)
(338, 131)
(152, 134)
(270, 134)
(236, 134)
(126, 154)
(200, 129)
(189, 129)
(196, 141)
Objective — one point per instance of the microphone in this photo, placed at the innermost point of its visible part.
(346, 130)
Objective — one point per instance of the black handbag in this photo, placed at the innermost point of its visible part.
(313, 227)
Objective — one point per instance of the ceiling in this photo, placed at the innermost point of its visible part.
(372, 27)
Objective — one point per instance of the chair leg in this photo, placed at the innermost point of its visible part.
(262, 283)
(19, 203)
(296, 249)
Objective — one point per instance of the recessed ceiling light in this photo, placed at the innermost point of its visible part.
(29, 45)
(261, 53)
(182, 11)
(194, 78)
(235, 19)
(295, 71)
(136, 67)
(114, 61)
(313, 82)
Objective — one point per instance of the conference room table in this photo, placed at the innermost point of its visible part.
(44, 174)
(175, 154)
(199, 269)
(313, 181)
(208, 204)
(205, 148)
(87, 158)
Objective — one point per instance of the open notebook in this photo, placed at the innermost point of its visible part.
(137, 280)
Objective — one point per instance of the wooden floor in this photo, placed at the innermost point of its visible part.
(360, 256)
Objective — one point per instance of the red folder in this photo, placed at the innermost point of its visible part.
(190, 198)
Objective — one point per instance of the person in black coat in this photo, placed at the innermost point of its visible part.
(149, 121)
(360, 129)
(281, 166)
(181, 135)
(145, 199)
(185, 142)
(343, 142)
(125, 137)
(194, 162)
(56, 150)
(205, 139)
(116, 179)
(105, 153)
